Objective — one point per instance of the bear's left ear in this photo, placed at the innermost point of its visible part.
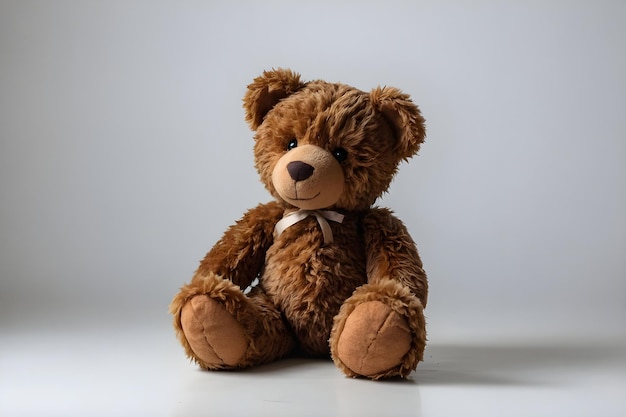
(403, 115)
(266, 91)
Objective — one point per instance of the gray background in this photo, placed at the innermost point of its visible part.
(124, 154)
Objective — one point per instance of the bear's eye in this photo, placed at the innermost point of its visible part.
(293, 143)
(340, 154)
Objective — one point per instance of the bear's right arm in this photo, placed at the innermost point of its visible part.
(239, 255)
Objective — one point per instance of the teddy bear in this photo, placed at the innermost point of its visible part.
(320, 271)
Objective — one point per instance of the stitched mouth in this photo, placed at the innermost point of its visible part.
(296, 198)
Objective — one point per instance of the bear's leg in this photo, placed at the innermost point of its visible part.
(379, 332)
(221, 328)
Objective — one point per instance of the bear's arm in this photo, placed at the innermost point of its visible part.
(392, 254)
(239, 255)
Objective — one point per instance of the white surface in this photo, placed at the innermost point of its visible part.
(140, 371)
(124, 156)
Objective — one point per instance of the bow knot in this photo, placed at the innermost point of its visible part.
(321, 216)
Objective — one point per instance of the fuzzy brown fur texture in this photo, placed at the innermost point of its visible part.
(358, 296)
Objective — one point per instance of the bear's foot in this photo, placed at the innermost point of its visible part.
(379, 332)
(221, 328)
(214, 335)
(374, 339)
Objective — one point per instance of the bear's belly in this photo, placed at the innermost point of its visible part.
(309, 282)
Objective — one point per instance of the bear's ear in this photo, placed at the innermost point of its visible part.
(403, 115)
(266, 91)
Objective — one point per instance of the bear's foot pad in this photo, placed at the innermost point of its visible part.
(374, 339)
(214, 335)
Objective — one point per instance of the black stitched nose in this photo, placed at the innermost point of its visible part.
(299, 170)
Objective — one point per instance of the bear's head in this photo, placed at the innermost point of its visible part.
(322, 145)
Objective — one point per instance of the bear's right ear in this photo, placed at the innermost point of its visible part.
(266, 91)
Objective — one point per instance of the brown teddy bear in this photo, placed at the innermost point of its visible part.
(335, 275)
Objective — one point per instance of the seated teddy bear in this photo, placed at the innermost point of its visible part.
(336, 275)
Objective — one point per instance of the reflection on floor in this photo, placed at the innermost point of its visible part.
(120, 373)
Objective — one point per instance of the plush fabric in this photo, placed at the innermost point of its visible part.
(344, 279)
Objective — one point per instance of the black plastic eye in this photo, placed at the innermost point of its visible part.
(293, 143)
(340, 154)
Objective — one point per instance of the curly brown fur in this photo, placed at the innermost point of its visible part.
(392, 254)
(401, 301)
(309, 288)
(268, 336)
(309, 281)
(239, 255)
(333, 116)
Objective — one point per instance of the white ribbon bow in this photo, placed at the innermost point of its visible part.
(321, 216)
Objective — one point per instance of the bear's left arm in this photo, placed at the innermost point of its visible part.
(239, 255)
(392, 254)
